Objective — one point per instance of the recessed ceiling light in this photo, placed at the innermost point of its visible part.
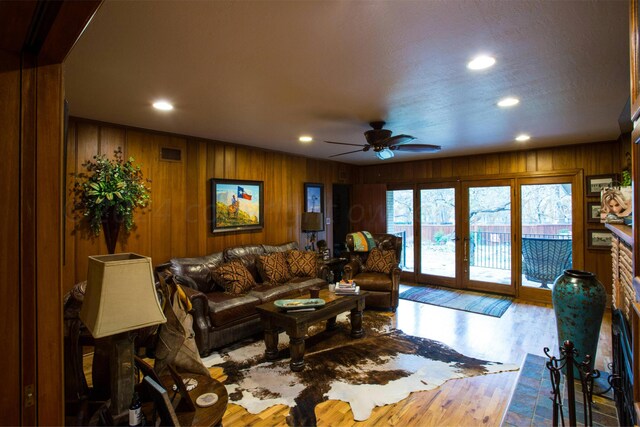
(305, 138)
(523, 137)
(481, 62)
(163, 105)
(508, 102)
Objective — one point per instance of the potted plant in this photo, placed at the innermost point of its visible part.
(108, 193)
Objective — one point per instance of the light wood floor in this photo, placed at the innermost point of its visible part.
(524, 328)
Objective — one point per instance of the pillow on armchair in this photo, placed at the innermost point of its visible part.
(380, 261)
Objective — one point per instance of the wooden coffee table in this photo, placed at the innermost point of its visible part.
(296, 323)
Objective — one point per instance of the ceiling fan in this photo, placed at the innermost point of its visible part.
(383, 144)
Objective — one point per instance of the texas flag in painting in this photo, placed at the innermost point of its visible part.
(242, 194)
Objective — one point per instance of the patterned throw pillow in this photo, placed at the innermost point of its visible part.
(380, 261)
(273, 268)
(302, 264)
(234, 277)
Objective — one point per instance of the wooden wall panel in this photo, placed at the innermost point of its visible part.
(49, 188)
(178, 221)
(10, 241)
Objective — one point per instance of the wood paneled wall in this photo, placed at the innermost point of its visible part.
(593, 159)
(10, 375)
(178, 221)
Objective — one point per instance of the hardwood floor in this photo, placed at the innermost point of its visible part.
(524, 328)
(476, 401)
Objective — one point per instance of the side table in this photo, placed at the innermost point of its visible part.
(336, 266)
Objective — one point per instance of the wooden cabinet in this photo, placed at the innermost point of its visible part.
(623, 293)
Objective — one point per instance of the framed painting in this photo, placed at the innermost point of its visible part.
(599, 239)
(595, 183)
(236, 205)
(593, 211)
(313, 197)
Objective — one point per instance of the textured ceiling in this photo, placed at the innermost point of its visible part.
(261, 73)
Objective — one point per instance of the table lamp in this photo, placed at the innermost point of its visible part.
(120, 297)
(312, 222)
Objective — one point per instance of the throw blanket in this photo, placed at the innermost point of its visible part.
(363, 241)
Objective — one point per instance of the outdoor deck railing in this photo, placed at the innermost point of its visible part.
(493, 250)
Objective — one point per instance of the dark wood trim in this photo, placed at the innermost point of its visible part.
(28, 233)
(15, 20)
(42, 20)
(10, 376)
(71, 20)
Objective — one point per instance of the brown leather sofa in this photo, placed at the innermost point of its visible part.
(220, 318)
(382, 288)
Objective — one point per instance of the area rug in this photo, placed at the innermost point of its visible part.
(474, 302)
(382, 368)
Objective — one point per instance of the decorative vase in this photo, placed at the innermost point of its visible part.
(111, 227)
(579, 300)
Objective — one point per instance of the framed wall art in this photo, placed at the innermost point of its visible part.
(595, 183)
(593, 211)
(236, 205)
(599, 239)
(313, 197)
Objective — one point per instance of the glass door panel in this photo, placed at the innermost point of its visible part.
(547, 218)
(400, 223)
(438, 232)
(488, 238)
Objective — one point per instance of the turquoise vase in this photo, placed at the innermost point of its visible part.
(579, 300)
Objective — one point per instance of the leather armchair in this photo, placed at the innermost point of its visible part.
(382, 288)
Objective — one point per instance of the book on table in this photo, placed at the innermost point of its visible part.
(347, 289)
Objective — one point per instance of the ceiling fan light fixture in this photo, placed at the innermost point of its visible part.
(481, 62)
(384, 154)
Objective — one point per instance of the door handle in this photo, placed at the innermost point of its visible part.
(464, 250)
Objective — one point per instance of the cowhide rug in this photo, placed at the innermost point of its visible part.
(382, 368)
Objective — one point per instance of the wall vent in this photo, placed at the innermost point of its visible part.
(170, 154)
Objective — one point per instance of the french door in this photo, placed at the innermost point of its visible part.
(439, 234)
(487, 224)
(484, 234)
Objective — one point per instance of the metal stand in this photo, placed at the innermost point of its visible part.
(567, 363)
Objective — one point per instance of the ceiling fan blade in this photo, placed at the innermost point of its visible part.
(417, 148)
(345, 143)
(348, 152)
(398, 140)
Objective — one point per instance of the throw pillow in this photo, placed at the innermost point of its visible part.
(273, 268)
(234, 277)
(302, 264)
(380, 261)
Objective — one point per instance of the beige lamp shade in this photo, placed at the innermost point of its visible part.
(312, 221)
(120, 295)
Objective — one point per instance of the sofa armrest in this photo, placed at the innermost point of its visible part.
(201, 320)
(186, 281)
(351, 269)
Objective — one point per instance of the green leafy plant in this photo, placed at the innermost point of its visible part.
(626, 178)
(110, 187)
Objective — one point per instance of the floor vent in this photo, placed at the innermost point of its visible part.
(170, 154)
